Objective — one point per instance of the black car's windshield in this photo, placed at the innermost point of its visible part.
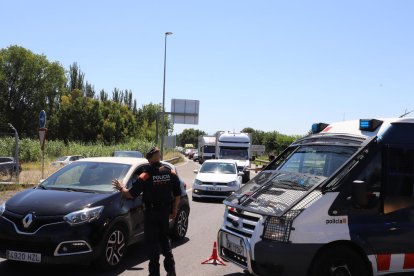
(234, 153)
(86, 176)
(218, 167)
(304, 168)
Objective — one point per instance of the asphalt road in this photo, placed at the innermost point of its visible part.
(205, 220)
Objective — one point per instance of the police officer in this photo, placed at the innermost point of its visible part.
(161, 190)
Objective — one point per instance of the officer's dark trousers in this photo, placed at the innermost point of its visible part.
(156, 236)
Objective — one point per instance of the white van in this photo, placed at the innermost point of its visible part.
(337, 202)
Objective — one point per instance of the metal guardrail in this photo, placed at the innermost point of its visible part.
(265, 162)
(173, 160)
(258, 167)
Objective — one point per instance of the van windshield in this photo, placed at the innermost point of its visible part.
(234, 153)
(317, 160)
(304, 168)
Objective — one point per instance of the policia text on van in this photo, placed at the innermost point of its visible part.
(337, 202)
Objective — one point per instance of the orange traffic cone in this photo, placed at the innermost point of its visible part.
(214, 259)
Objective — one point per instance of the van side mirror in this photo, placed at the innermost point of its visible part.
(195, 171)
(240, 173)
(359, 194)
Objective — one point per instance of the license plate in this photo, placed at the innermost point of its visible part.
(23, 256)
(215, 189)
(233, 243)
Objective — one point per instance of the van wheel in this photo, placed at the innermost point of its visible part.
(113, 249)
(339, 261)
(180, 227)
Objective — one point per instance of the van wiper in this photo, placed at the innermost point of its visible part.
(293, 184)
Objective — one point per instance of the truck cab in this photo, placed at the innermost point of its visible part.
(206, 148)
(339, 201)
(236, 146)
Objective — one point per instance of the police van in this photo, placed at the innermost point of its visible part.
(339, 201)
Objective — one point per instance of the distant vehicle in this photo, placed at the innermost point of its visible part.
(127, 153)
(236, 146)
(191, 154)
(65, 160)
(88, 222)
(217, 179)
(206, 148)
(8, 166)
(188, 152)
(196, 157)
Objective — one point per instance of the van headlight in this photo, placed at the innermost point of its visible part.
(277, 229)
(2, 208)
(83, 216)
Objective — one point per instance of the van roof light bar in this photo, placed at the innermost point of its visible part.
(369, 124)
(318, 127)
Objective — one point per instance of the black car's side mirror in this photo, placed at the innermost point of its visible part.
(214, 156)
(359, 194)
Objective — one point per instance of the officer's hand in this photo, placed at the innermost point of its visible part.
(117, 184)
(173, 215)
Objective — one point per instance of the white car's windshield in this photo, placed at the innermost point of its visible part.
(86, 176)
(225, 168)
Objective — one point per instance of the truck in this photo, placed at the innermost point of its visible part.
(339, 201)
(206, 148)
(236, 146)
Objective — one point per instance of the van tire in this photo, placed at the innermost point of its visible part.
(338, 261)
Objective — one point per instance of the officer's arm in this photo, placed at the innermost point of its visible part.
(176, 192)
(136, 189)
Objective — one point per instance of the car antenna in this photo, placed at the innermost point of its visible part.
(406, 113)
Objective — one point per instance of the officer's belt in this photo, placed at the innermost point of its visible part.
(158, 205)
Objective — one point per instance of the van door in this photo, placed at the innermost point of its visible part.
(389, 230)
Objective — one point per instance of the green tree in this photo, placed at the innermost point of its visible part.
(28, 84)
(189, 136)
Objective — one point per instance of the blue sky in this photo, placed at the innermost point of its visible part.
(270, 65)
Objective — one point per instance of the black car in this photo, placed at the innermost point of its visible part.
(75, 216)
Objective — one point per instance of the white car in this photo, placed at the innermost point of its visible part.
(217, 179)
(65, 160)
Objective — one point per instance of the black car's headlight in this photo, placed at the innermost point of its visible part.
(2, 208)
(83, 216)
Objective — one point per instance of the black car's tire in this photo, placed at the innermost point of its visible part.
(339, 261)
(113, 248)
(180, 227)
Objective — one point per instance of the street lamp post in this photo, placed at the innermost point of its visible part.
(163, 95)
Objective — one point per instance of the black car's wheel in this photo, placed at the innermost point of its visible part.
(114, 247)
(180, 227)
(339, 261)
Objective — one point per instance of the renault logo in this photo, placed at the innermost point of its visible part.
(27, 220)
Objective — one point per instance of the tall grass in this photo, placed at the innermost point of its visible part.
(30, 148)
